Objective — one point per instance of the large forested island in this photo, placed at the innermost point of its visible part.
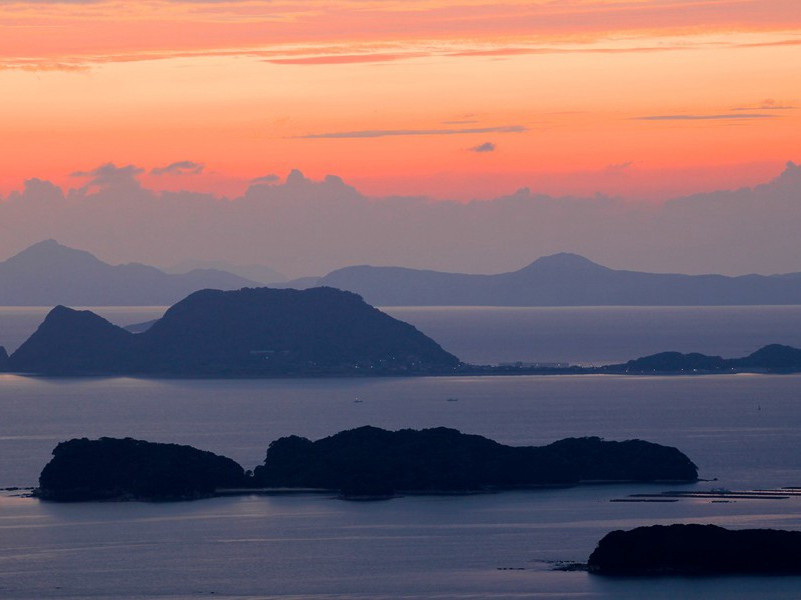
(697, 550)
(441, 459)
(264, 332)
(363, 462)
(248, 332)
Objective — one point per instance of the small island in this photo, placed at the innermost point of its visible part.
(774, 358)
(697, 550)
(367, 462)
(128, 469)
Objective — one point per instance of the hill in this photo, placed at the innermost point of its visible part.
(47, 274)
(558, 280)
(118, 469)
(774, 358)
(259, 273)
(248, 332)
(369, 460)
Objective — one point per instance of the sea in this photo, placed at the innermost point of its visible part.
(743, 432)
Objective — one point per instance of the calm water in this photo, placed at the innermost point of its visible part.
(743, 430)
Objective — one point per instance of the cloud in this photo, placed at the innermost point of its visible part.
(310, 227)
(618, 167)
(485, 147)
(265, 179)
(110, 175)
(345, 59)
(767, 104)
(712, 117)
(183, 167)
(35, 66)
(375, 133)
(522, 51)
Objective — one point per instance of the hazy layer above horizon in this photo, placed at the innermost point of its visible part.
(305, 227)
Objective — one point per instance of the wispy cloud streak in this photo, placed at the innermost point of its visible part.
(182, 167)
(377, 133)
(715, 117)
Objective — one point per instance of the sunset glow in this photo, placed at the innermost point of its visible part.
(450, 98)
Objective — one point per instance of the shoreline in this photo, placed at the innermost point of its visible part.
(479, 371)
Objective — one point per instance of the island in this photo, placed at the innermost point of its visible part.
(370, 460)
(697, 550)
(265, 332)
(774, 358)
(363, 463)
(128, 469)
(249, 332)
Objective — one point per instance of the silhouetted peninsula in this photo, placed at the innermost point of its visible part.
(128, 469)
(697, 550)
(369, 459)
(249, 332)
(558, 280)
(47, 274)
(774, 358)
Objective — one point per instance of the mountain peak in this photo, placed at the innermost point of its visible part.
(564, 261)
(50, 251)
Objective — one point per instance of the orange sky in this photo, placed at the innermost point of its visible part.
(645, 98)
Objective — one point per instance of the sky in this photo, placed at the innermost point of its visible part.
(304, 226)
(450, 99)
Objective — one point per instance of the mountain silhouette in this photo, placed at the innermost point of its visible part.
(774, 358)
(47, 274)
(259, 332)
(558, 280)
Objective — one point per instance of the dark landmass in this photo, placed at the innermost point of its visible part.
(128, 469)
(373, 461)
(774, 358)
(557, 280)
(47, 274)
(267, 332)
(364, 463)
(249, 332)
(697, 550)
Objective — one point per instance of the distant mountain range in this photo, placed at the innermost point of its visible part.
(558, 280)
(47, 274)
(259, 273)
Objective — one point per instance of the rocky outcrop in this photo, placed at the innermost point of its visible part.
(696, 550)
